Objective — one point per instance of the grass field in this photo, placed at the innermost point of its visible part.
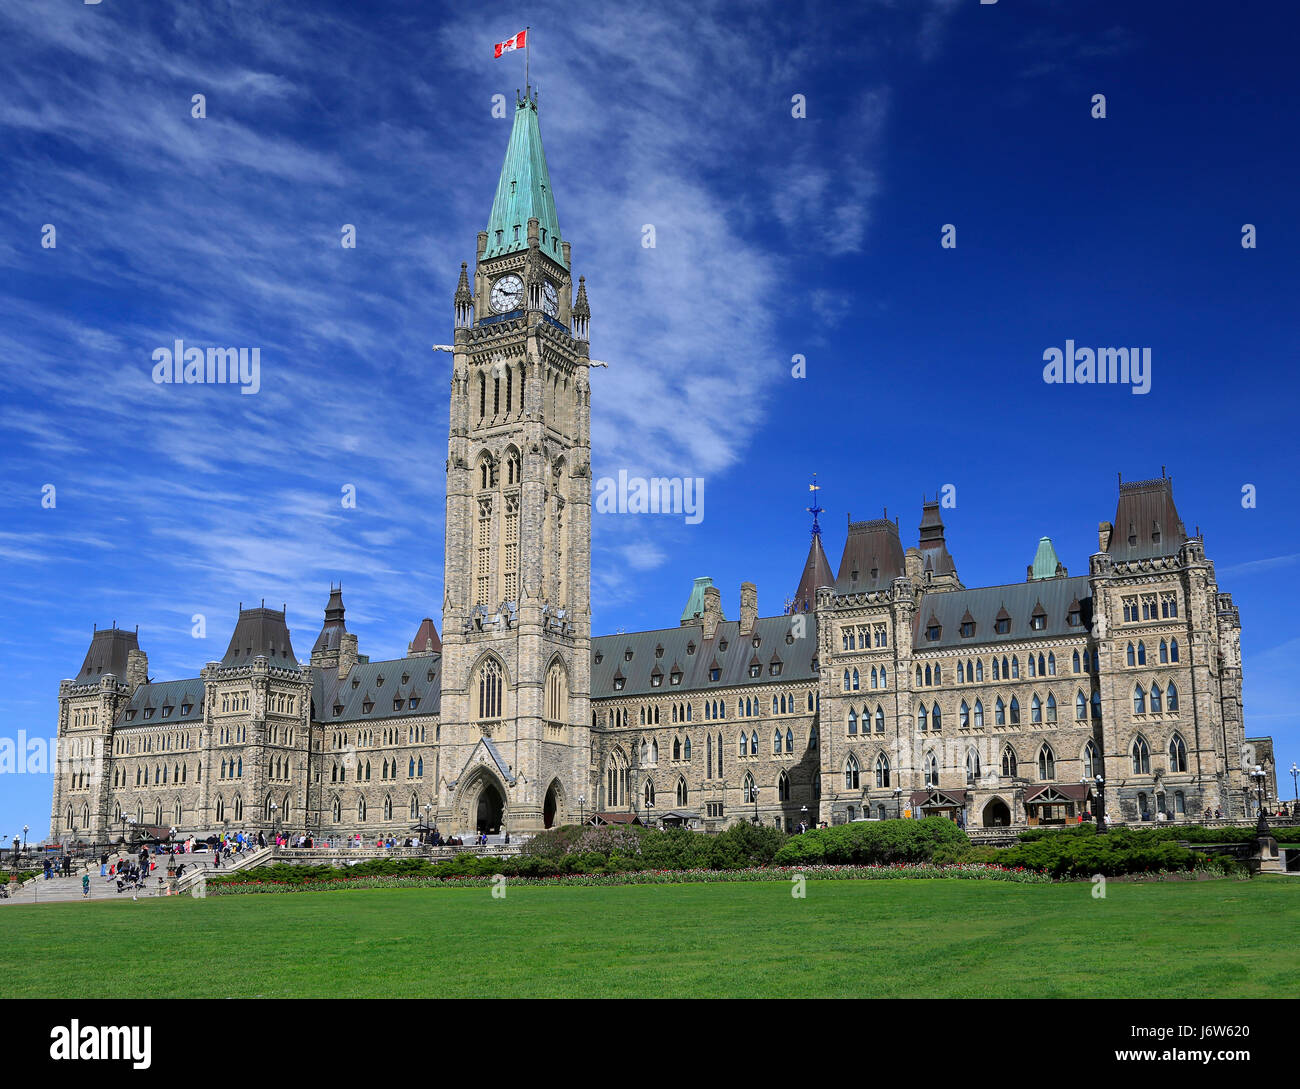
(961, 939)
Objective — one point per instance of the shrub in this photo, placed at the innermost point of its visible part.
(874, 842)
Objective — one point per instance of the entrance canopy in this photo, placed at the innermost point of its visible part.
(599, 819)
(938, 803)
(1055, 803)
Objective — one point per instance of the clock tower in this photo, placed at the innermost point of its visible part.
(516, 649)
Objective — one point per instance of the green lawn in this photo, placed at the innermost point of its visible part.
(961, 939)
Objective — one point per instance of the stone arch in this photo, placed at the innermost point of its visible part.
(481, 801)
(996, 814)
(553, 804)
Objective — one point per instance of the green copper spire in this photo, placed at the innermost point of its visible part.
(695, 603)
(524, 192)
(1045, 562)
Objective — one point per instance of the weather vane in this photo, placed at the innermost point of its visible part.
(816, 508)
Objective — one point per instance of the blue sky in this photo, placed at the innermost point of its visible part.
(775, 236)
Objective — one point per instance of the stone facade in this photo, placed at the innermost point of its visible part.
(888, 688)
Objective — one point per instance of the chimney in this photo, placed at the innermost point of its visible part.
(913, 564)
(347, 653)
(712, 610)
(748, 607)
(1103, 536)
(137, 668)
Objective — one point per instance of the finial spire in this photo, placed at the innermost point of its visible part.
(816, 507)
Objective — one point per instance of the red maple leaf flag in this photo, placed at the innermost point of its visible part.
(519, 41)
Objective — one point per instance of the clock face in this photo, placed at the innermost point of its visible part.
(550, 300)
(507, 294)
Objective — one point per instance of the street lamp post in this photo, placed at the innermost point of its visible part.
(1261, 827)
(755, 796)
(898, 803)
(1101, 803)
(582, 809)
(1295, 790)
(427, 833)
(25, 826)
(803, 816)
(274, 810)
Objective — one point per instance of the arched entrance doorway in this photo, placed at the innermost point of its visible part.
(996, 814)
(550, 807)
(490, 807)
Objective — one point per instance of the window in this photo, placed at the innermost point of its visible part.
(1002, 626)
(923, 717)
(853, 721)
(490, 689)
(882, 770)
(963, 715)
(972, 767)
(979, 715)
(1171, 697)
(783, 787)
(1177, 754)
(1173, 650)
(1051, 707)
(1139, 701)
(1080, 707)
(1015, 711)
(1046, 763)
(1141, 754)
(999, 713)
(935, 721)
(1009, 762)
(750, 789)
(880, 719)
(1091, 765)
(851, 773)
(931, 771)
(1155, 699)
(967, 629)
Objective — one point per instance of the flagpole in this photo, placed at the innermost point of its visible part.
(528, 43)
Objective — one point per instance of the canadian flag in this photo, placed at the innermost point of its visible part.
(519, 41)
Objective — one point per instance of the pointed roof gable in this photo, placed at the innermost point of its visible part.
(1045, 565)
(816, 573)
(873, 556)
(695, 603)
(335, 625)
(260, 632)
(1146, 521)
(524, 192)
(107, 653)
(426, 639)
(934, 549)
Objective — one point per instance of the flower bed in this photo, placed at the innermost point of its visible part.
(244, 883)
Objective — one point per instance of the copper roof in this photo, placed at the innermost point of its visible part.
(426, 639)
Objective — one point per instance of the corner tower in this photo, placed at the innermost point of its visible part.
(517, 606)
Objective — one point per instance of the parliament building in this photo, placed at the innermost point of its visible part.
(882, 688)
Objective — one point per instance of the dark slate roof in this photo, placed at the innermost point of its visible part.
(423, 674)
(107, 654)
(1146, 507)
(331, 634)
(1018, 600)
(796, 657)
(260, 632)
(934, 549)
(870, 546)
(160, 695)
(816, 573)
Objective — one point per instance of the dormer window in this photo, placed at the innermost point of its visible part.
(774, 669)
(967, 629)
(1037, 623)
(379, 681)
(338, 709)
(690, 647)
(367, 706)
(356, 682)
(406, 678)
(756, 669)
(723, 645)
(599, 657)
(675, 677)
(627, 655)
(932, 632)
(816, 669)
(659, 651)
(656, 680)
(715, 674)
(130, 715)
(757, 642)
(618, 683)
(1075, 618)
(185, 708)
(413, 702)
(397, 703)
(148, 712)
(167, 712)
